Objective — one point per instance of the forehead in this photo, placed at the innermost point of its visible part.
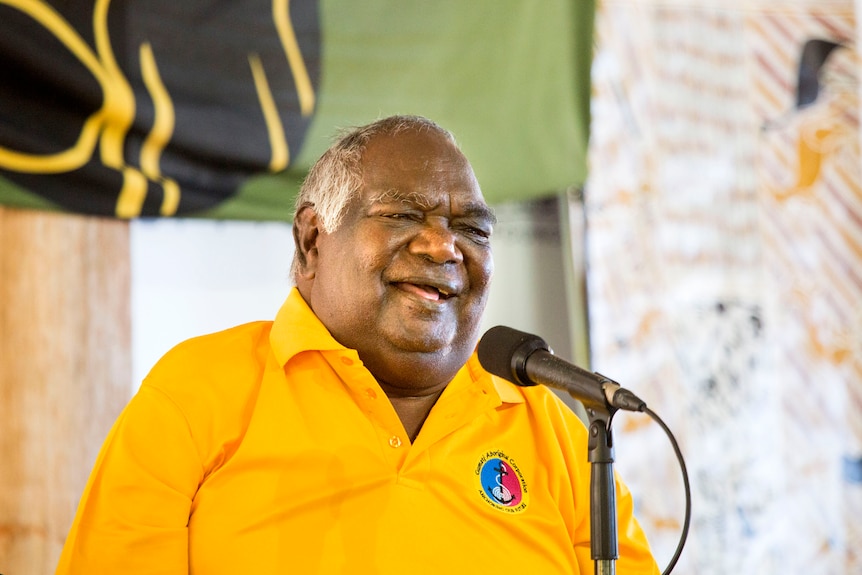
(417, 166)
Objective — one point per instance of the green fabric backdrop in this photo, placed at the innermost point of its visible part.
(177, 96)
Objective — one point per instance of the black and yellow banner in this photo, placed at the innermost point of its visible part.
(155, 108)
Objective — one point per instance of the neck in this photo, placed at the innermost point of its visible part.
(413, 410)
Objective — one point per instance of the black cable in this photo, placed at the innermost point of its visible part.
(687, 521)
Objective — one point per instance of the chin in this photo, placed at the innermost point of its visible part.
(423, 342)
(443, 345)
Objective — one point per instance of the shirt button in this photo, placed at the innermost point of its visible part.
(346, 360)
(394, 441)
(370, 393)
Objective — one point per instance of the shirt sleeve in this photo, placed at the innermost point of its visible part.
(134, 513)
(636, 558)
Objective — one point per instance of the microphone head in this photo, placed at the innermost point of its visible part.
(503, 351)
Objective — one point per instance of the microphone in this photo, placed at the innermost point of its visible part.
(526, 360)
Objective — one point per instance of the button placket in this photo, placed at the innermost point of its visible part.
(368, 397)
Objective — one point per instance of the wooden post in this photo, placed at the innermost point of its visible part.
(65, 371)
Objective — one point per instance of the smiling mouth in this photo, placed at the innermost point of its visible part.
(425, 291)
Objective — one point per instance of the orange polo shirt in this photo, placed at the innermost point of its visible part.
(269, 448)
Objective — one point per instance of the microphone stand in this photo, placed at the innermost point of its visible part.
(603, 502)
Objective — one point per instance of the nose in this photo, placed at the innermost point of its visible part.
(436, 242)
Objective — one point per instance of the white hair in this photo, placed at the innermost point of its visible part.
(336, 177)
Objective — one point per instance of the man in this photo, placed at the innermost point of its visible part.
(357, 432)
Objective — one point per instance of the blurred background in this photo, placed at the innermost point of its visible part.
(678, 191)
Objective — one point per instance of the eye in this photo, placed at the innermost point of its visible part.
(478, 235)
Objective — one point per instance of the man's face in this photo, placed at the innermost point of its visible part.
(405, 278)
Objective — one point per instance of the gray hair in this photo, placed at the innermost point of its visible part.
(336, 177)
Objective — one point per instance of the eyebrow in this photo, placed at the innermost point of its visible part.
(480, 210)
(396, 195)
(470, 209)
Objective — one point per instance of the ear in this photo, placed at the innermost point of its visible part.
(306, 231)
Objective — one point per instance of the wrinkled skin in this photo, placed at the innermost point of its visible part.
(404, 280)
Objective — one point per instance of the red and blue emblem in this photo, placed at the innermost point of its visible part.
(501, 483)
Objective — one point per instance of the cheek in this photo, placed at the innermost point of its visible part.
(354, 271)
(481, 270)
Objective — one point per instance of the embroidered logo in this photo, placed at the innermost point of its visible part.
(501, 483)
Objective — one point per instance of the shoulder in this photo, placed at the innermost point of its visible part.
(551, 408)
(214, 381)
(238, 348)
(218, 368)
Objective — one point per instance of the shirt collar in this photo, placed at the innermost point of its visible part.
(296, 329)
(508, 392)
